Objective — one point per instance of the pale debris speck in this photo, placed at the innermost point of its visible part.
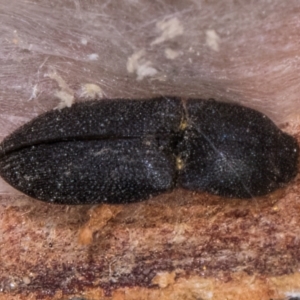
(93, 56)
(164, 279)
(169, 30)
(171, 54)
(212, 40)
(91, 91)
(60, 81)
(293, 294)
(84, 41)
(26, 280)
(103, 151)
(66, 100)
(66, 95)
(140, 65)
(179, 233)
(133, 60)
(13, 284)
(145, 70)
(34, 92)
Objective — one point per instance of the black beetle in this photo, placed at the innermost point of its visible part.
(121, 151)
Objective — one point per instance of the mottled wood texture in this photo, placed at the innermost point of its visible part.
(181, 245)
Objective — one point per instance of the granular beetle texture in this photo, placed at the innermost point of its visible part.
(234, 151)
(122, 151)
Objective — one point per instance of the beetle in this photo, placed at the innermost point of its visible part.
(122, 150)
